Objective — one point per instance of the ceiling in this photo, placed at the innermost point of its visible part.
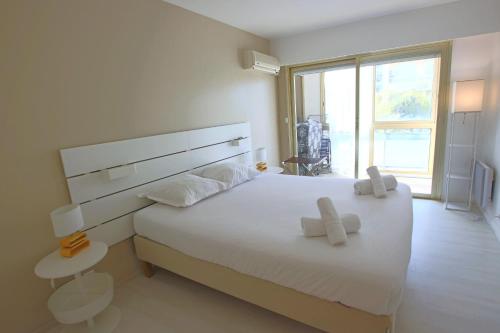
(279, 18)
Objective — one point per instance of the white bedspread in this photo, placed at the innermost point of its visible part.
(255, 229)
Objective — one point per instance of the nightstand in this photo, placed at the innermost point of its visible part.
(273, 170)
(87, 297)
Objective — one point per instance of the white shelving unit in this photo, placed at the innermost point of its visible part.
(84, 302)
(451, 174)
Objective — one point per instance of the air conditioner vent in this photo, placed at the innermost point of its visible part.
(261, 62)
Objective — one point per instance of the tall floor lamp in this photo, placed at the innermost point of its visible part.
(467, 99)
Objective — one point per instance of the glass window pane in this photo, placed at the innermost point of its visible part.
(340, 112)
(404, 90)
(402, 149)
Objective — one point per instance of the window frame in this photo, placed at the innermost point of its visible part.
(410, 124)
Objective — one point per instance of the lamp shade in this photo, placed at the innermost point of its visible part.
(468, 96)
(261, 154)
(67, 220)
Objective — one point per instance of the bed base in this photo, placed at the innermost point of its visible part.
(310, 310)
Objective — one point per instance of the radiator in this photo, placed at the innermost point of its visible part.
(482, 184)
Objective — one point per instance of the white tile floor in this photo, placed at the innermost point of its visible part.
(453, 286)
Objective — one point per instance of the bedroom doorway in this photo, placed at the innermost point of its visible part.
(326, 117)
(380, 109)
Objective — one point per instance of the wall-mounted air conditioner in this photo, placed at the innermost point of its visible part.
(261, 62)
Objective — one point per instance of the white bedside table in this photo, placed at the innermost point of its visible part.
(273, 170)
(87, 297)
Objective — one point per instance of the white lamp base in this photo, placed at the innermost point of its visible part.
(104, 322)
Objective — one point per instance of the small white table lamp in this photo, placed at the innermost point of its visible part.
(261, 157)
(67, 220)
(261, 154)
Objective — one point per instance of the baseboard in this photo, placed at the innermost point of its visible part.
(492, 220)
(47, 327)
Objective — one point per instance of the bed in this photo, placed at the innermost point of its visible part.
(248, 242)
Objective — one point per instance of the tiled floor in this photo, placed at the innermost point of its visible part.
(453, 286)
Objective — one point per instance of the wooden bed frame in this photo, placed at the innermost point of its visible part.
(310, 310)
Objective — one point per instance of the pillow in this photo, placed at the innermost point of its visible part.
(186, 190)
(231, 174)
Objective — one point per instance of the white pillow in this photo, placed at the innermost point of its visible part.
(231, 174)
(186, 190)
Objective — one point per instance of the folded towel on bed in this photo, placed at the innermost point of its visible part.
(313, 227)
(331, 220)
(378, 185)
(364, 186)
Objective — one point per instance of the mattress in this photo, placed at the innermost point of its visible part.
(255, 229)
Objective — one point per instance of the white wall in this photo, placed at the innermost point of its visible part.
(490, 147)
(84, 72)
(454, 20)
(494, 101)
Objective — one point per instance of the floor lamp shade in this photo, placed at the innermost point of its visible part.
(67, 220)
(468, 96)
(261, 154)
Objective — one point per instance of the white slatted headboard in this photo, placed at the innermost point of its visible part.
(106, 178)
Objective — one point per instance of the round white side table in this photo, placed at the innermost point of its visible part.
(84, 302)
(272, 170)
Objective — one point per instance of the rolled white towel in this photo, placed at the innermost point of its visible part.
(331, 220)
(378, 185)
(314, 227)
(364, 186)
(351, 222)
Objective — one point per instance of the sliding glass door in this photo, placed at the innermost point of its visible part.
(385, 109)
(325, 103)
